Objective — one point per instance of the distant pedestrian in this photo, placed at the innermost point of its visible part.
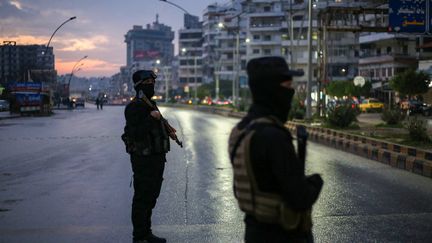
(101, 102)
(269, 179)
(97, 102)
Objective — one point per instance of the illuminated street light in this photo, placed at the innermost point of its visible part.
(73, 70)
(46, 49)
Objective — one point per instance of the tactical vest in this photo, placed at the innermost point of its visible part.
(156, 141)
(265, 207)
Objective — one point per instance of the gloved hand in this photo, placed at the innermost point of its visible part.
(316, 180)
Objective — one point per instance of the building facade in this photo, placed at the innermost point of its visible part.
(26, 62)
(190, 57)
(149, 44)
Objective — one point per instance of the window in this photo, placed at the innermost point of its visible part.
(267, 51)
(389, 49)
(378, 52)
(267, 9)
(405, 49)
(267, 37)
(255, 51)
(390, 72)
(256, 37)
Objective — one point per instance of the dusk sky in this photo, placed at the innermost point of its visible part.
(98, 31)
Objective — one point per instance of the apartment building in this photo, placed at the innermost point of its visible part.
(149, 44)
(385, 54)
(190, 57)
(26, 62)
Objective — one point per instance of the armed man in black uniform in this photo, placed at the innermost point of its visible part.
(146, 136)
(269, 179)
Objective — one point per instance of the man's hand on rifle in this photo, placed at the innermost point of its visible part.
(155, 114)
(172, 132)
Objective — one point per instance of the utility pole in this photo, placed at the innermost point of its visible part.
(309, 81)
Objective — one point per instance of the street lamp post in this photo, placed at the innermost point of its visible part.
(236, 59)
(309, 80)
(175, 5)
(73, 70)
(71, 18)
(183, 50)
(195, 79)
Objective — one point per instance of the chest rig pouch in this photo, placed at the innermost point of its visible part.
(265, 207)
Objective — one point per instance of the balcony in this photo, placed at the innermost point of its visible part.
(375, 37)
(264, 43)
(266, 14)
(387, 58)
(268, 27)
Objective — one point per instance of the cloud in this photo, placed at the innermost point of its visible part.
(26, 39)
(90, 66)
(82, 44)
(16, 4)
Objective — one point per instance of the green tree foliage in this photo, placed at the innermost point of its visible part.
(347, 88)
(205, 90)
(410, 82)
(341, 116)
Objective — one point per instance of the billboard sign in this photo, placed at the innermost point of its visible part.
(408, 16)
(149, 54)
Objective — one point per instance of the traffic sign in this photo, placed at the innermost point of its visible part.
(359, 81)
(409, 16)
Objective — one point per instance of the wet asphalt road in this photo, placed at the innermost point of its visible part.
(66, 178)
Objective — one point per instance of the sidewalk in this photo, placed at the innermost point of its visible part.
(8, 115)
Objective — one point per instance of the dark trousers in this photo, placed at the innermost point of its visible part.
(257, 232)
(147, 181)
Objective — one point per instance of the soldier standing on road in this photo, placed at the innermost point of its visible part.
(269, 181)
(147, 141)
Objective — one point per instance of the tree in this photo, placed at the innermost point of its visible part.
(347, 88)
(410, 82)
(336, 88)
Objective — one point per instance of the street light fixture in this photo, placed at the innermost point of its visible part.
(73, 70)
(46, 49)
(175, 5)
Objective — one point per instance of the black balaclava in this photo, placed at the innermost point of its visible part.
(145, 89)
(265, 77)
(270, 94)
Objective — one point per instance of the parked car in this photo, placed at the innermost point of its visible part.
(416, 107)
(371, 104)
(78, 102)
(4, 105)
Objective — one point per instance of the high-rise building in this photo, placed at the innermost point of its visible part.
(190, 57)
(149, 44)
(26, 62)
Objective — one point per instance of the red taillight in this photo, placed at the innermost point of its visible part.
(353, 106)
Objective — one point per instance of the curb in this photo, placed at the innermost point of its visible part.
(412, 159)
(408, 158)
(9, 117)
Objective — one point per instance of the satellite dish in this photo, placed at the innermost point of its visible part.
(359, 81)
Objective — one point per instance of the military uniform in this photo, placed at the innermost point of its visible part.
(147, 142)
(269, 181)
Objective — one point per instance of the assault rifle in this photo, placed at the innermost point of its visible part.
(302, 137)
(168, 127)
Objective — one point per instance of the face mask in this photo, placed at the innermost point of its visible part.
(282, 99)
(148, 90)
